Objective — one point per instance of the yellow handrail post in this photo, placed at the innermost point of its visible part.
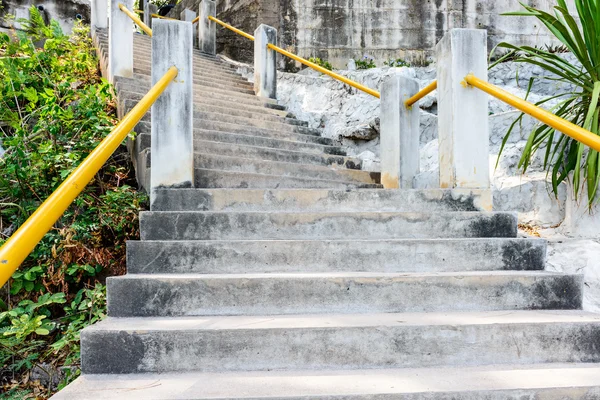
(136, 19)
(568, 128)
(23, 241)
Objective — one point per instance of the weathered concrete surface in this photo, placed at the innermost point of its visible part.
(267, 256)
(507, 382)
(265, 62)
(433, 200)
(388, 29)
(207, 29)
(339, 341)
(330, 225)
(139, 295)
(399, 133)
(65, 12)
(99, 14)
(172, 113)
(120, 37)
(463, 111)
(578, 256)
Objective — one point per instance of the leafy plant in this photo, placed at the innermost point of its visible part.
(564, 156)
(367, 62)
(54, 110)
(321, 63)
(397, 63)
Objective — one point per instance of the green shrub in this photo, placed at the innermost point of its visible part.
(367, 62)
(54, 110)
(321, 63)
(564, 156)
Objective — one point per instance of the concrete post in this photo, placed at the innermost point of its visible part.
(462, 110)
(400, 133)
(207, 29)
(120, 38)
(149, 9)
(172, 146)
(189, 16)
(265, 62)
(99, 17)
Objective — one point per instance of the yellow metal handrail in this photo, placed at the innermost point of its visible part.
(23, 241)
(231, 28)
(136, 19)
(196, 19)
(424, 92)
(161, 17)
(576, 132)
(302, 60)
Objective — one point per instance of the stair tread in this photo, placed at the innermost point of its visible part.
(331, 321)
(319, 384)
(358, 274)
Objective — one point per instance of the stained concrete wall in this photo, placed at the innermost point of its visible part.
(66, 12)
(341, 29)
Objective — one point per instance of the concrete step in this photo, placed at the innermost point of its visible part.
(142, 83)
(218, 179)
(136, 88)
(206, 77)
(143, 46)
(496, 382)
(199, 83)
(258, 123)
(245, 140)
(180, 225)
(233, 109)
(212, 75)
(206, 160)
(258, 134)
(165, 295)
(279, 155)
(275, 143)
(314, 200)
(334, 341)
(261, 132)
(279, 256)
(128, 100)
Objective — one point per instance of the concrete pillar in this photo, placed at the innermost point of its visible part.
(207, 29)
(149, 9)
(400, 133)
(189, 16)
(120, 38)
(99, 17)
(265, 62)
(462, 110)
(172, 146)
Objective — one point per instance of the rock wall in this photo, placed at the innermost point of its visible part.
(66, 12)
(338, 30)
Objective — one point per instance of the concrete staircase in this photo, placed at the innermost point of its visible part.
(287, 274)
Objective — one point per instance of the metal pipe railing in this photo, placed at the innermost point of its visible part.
(162, 17)
(231, 28)
(23, 241)
(303, 61)
(422, 93)
(136, 19)
(568, 128)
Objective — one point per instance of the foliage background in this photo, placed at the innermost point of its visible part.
(579, 32)
(54, 109)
